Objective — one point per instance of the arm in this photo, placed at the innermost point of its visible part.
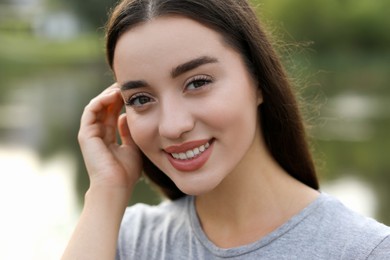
(113, 170)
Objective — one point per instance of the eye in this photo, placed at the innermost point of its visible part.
(198, 82)
(139, 100)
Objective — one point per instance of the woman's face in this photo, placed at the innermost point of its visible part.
(191, 105)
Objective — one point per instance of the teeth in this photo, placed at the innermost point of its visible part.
(196, 151)
(191, 153)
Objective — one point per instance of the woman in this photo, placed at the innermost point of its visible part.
(212, 120)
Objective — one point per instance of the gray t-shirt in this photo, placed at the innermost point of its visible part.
(325, 229)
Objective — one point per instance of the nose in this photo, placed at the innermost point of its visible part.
(175, 119)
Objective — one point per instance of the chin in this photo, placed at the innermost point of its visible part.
(197, 189)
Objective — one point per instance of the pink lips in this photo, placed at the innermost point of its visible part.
(191, 164)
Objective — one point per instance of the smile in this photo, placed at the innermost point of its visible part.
(191, 153)
(190, 156)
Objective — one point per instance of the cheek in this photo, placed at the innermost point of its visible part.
(233, 110)
(141, 129)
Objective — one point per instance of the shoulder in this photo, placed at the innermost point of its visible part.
(343, 219)
(355, 235)
(142, 217)
(144, 225)
(382, 251)
(151, 213)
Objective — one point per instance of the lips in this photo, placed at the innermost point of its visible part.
(189, 156)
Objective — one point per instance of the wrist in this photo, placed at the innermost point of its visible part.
(107, 200)
(99, 224)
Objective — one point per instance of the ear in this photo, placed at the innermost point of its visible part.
(259, 95)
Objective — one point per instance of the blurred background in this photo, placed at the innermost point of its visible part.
(52, 63)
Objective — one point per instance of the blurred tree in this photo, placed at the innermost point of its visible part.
(92, 12)
(332, 25)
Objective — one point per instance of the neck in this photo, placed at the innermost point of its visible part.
(255, 199)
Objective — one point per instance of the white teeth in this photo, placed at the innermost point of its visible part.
(196, 151)
(191, 153)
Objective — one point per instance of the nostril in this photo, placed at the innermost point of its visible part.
(175, 117)
(175, 127)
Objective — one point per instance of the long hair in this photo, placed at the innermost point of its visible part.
(282, 125)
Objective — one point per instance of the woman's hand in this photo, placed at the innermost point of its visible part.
(113, 170)
(109, 164)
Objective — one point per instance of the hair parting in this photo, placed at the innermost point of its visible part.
(281, 121)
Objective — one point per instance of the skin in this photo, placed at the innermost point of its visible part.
(176, 111)
(242, 194)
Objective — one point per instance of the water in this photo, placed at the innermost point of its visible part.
(349, 116)
(39, 204)
(39, 163)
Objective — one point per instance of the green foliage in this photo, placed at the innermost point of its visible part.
(332, 25)
(93, 12)
(23, 51)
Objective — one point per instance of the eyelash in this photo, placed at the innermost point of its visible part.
(203, 80)
(133, 99)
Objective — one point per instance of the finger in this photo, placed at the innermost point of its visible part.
(99, 118)
(97, 108)
(114, 110)
(95, 130)
(124, 131)
(108, 92)
(114, 87)
(110, 117)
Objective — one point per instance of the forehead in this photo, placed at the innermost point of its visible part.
(167, 39)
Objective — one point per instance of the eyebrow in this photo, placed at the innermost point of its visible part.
(177, 71)
(192, 64)
(133, 84)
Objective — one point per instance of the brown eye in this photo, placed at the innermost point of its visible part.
(198, 82)
(139, 100)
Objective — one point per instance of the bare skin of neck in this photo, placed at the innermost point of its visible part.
(254, 200)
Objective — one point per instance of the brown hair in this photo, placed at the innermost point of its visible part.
(282, 124)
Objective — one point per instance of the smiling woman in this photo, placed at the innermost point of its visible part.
(186, 117)
(212, 120)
